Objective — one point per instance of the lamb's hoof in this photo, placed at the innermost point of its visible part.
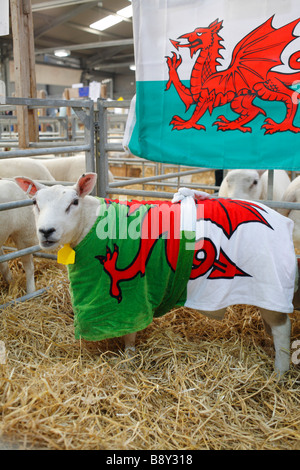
(280, 375)
(130, 352)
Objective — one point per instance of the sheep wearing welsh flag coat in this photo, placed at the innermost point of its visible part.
(131, 261)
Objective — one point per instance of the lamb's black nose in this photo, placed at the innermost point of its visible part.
(47, 232)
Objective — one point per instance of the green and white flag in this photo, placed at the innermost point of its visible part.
(217, 83)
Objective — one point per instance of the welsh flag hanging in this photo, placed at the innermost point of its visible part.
(218, 83)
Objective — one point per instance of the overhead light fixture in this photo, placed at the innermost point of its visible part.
(132, 67)
(125, 12)
(111, 20)
(106, 22)
(62, 52)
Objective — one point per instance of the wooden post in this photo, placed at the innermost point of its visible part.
(24, 63)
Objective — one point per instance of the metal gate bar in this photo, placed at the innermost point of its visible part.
(24, 298)
(84, 109)
(20, 253)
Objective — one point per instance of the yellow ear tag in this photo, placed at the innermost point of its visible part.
(66, 255)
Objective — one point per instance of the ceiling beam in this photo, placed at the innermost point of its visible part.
(57, 4)
(64, 18)
(98, 58)
(113, 66)
(87, 29)
(90, 45)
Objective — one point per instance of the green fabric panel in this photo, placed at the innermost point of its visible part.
(143, 293)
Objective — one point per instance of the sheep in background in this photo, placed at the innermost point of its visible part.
(253, 184)
(67, 168)
(292, 194)
(11, 167)
(19, 224)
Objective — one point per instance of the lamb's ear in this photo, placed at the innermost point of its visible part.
(86, 184)
(29, 186)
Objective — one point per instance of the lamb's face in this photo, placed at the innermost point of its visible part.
(58, 209)
(57, 214)
(243, 184)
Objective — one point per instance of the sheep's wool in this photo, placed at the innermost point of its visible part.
(141, 259)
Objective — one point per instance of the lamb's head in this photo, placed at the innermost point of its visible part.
(58, 209)
(244, 184)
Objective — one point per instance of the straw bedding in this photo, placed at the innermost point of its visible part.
(193, 384)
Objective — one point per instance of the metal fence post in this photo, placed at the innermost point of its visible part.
(102, 160)
(270, 185)
(89, 140)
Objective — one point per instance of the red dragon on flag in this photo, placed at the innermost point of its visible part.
(249, 75)
(227, 214)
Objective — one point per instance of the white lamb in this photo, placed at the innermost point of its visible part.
(67, 215)
(253, 184)
(11, 167)
(67, 168)
(292, 194)
(19, 224)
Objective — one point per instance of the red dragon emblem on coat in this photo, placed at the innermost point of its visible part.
(249, 75)
(227, 214)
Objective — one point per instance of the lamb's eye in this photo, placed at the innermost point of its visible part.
(75, 202)
(35, 204)
(255, 182)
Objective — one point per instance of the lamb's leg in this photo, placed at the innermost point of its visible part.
(29, 270)
(296, 299)
(5, 271)
(27, 262)
(129, 341)
(280, 327)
